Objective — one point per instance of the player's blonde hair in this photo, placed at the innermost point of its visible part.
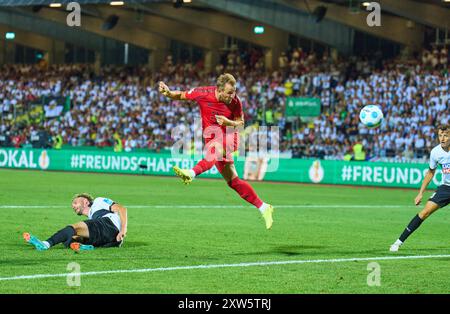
(84, 195)
(224, 79)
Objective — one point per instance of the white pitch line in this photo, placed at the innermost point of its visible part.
(220, 206)
(161, 269)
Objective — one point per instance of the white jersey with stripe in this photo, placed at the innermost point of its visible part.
(101, 207)
(439, 156)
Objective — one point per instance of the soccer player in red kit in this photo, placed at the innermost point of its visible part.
(220, 108)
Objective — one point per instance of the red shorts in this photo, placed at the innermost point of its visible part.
(222, 150)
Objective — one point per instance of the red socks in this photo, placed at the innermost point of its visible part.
(202, 166)
(245, 191)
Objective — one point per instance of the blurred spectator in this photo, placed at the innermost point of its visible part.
(53, 110)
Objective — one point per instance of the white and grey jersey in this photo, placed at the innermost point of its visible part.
(439, 156)
(101, 207)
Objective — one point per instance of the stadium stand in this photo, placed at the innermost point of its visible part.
(91, 109)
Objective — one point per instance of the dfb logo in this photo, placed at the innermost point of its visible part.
(374, 18)
(74, 17)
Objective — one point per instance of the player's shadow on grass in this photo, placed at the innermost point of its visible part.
(131, 244)
(290, 250)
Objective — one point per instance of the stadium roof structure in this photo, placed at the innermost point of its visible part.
(47, 2)
(434, 13)
(208, 24)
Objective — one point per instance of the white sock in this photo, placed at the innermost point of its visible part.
(191, 173)
(46, 244)
(398, 242)
(263, 207)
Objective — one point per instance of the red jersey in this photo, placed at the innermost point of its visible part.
(205, 96)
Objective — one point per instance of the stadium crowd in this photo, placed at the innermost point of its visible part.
(93, 109)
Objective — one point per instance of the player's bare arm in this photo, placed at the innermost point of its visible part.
(175, 95)
(238, 122)
(428, 177)
(122, 211)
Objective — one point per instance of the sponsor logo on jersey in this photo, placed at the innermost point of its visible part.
(108, 201)
(446, 168)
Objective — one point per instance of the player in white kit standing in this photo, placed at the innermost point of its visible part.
(440, 155)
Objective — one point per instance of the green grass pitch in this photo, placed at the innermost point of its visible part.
(206, 223)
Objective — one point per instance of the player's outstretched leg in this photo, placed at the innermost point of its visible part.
(245, 191)
(187, 175)
(212, 154)
(430, 207)
(65, 236)
(38, 244)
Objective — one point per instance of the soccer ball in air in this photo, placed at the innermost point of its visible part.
(371, 116)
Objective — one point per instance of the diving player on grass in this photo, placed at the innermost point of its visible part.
(220, 108)
(440, 155)
(106, 227)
